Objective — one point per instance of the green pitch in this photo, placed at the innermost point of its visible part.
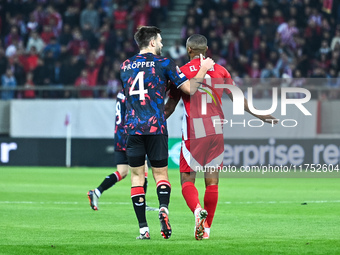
(46, 211)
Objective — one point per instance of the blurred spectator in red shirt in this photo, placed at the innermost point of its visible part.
(47, 34)
(100, 53)
(54, 19)
(92, 72)
(77, 43)
(324, 62)
(31, 60)
(240, 8)
(278, 19)
(83, 81)
(28, 93)
(257, 39)
(120, 18)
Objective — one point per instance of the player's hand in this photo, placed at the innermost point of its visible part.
(207, 63)
(268, 119)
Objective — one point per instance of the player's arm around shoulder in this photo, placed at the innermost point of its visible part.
(190, 87)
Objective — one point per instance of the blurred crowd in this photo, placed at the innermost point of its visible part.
(261, 39)
(82, 43)
(59, 43)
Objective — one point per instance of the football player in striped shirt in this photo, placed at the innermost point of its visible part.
(120, 157)
(145, 77)
(203, 142)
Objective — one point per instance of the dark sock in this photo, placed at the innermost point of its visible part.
(138, 201)
(163, 193)
(145, 186)
(109, 181)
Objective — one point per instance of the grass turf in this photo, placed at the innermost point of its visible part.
(46, 211)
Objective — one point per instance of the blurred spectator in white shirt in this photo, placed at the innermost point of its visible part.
(36, 41)
(177, 51)
(336, 39)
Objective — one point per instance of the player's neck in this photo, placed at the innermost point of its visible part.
(147, 50)
(194, 57)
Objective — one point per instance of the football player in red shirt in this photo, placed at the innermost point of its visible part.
(203, 143)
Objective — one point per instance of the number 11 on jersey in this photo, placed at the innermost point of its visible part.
(140, 91)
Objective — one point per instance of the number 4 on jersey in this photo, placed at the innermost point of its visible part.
(141, 91)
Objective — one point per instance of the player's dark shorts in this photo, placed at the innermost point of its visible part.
(121, 158)
(154, 146)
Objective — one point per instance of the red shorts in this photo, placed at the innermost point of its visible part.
(197, 153)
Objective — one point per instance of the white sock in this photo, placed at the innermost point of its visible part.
(207, 230)
(97, 192)
(197, 210)
(165, 209)
(143, 230)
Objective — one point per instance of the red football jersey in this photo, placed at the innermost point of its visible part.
(204, 107)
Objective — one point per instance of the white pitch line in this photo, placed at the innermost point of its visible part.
(128, 203)
(60, 203)
(284, 202)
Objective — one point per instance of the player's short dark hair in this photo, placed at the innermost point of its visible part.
(197, 43)
(145, 34)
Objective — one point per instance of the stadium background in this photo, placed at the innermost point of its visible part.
(57, 49)
(44, 208)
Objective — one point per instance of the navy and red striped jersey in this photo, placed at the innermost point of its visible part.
(145, 78)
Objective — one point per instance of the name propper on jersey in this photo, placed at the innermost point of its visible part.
(136, 65)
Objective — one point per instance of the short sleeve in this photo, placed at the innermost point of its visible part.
(174, 74)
